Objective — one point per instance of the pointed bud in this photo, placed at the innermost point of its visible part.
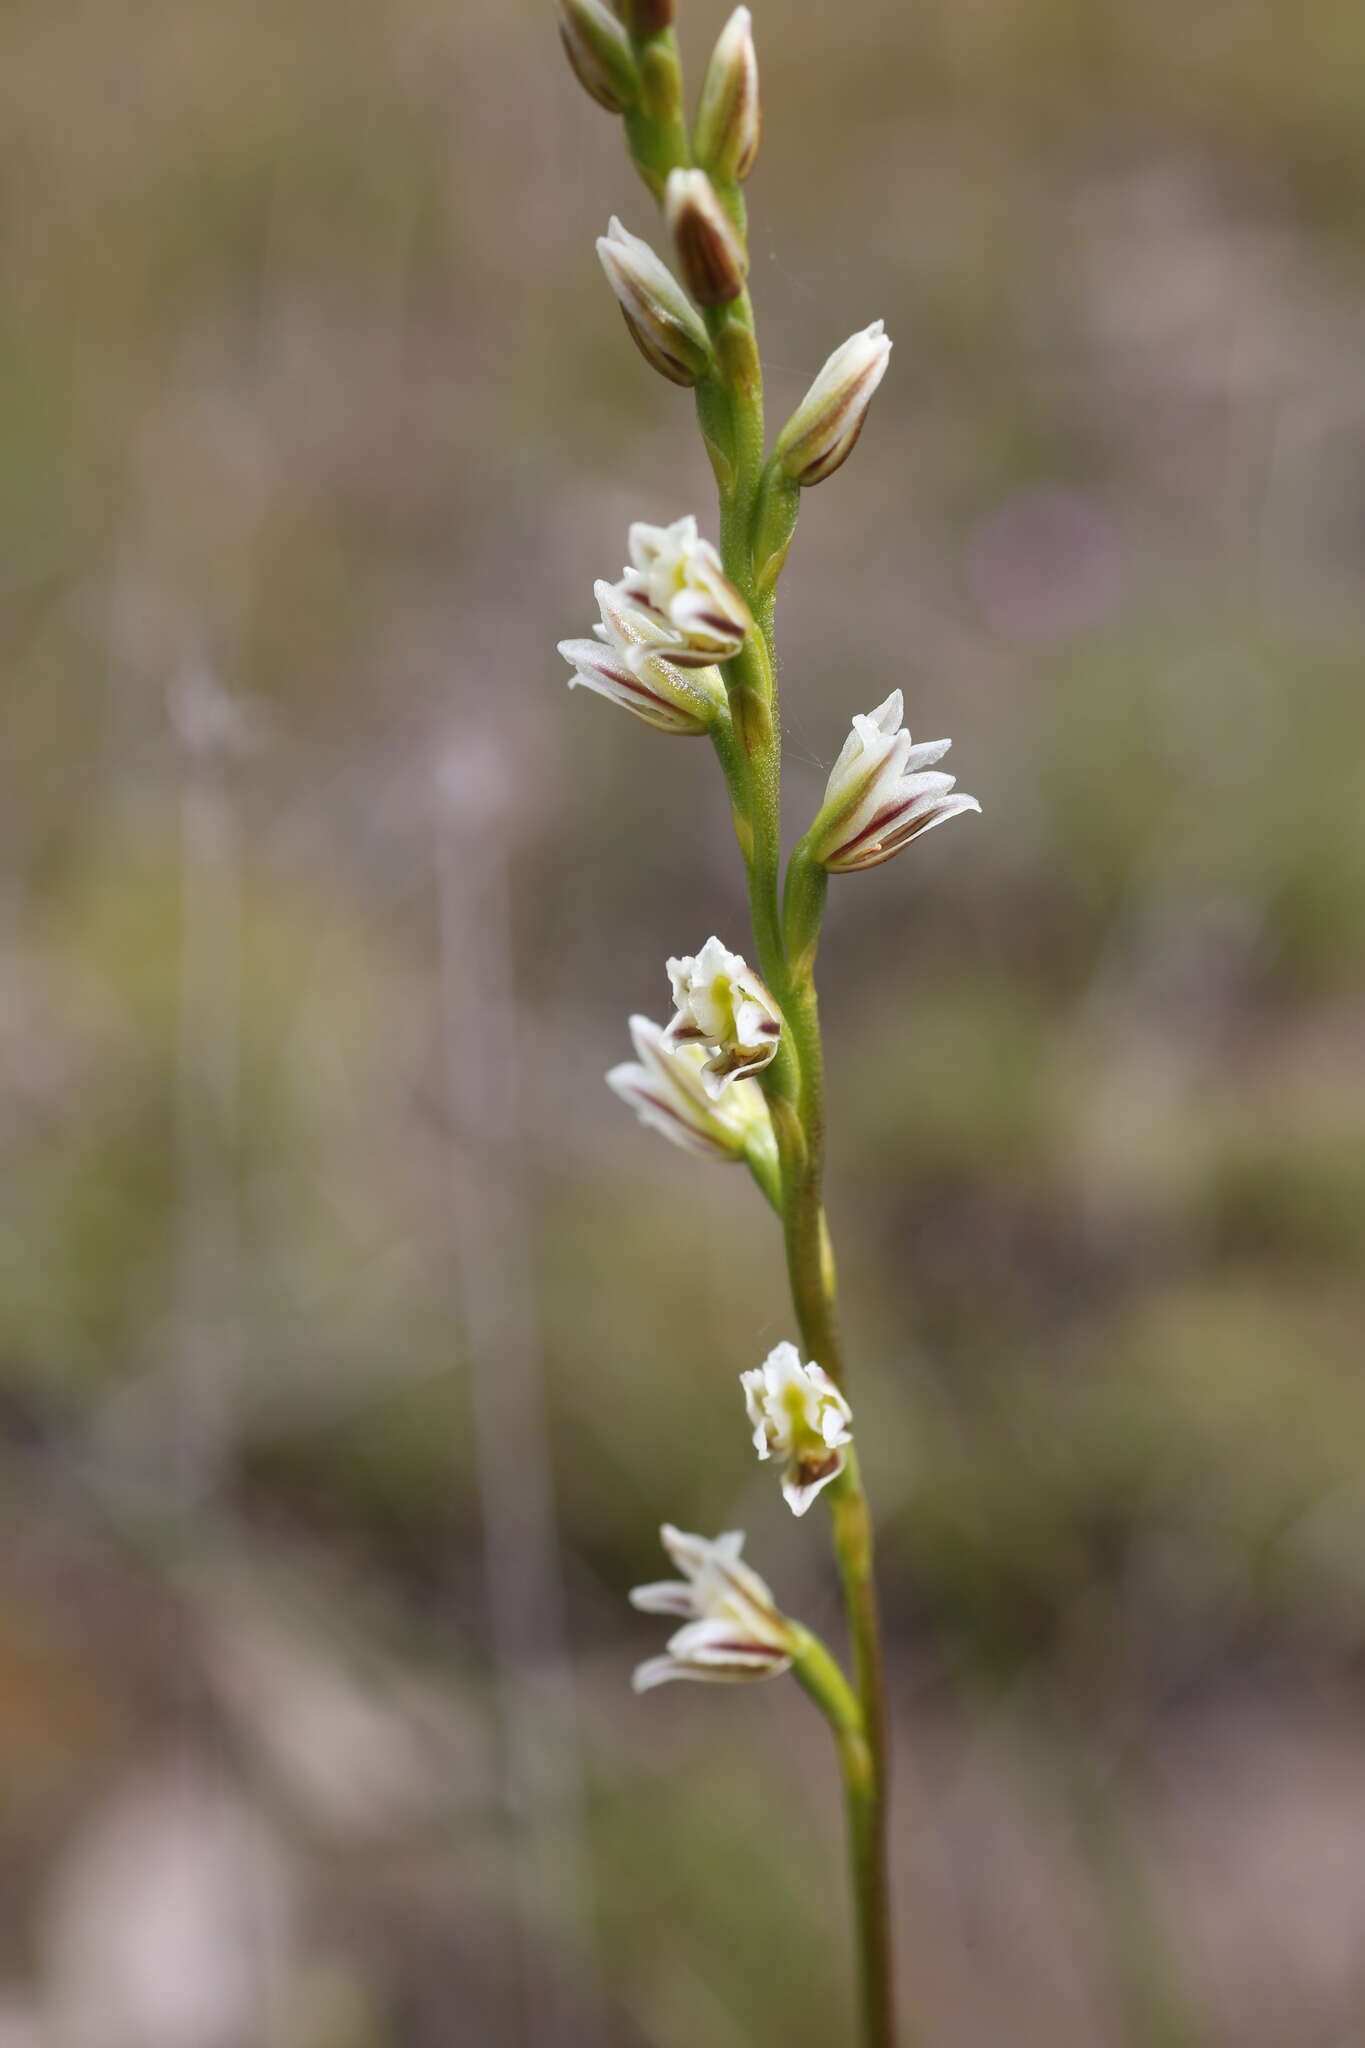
(710, 254)
(798, 1415)
(664, 325)
(646, 17)
(821, 432)
(725, 139)
(596, 45)
(883, 791)
(733, 1629)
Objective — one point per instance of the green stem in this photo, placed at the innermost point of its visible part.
(757, 515)
(811, 1266)
(656, 133)
(822, 1680)
(800, 1130)
(810, 1258)
(872, 1884)
(786, 958)
(766, 1168)
(818, 1674)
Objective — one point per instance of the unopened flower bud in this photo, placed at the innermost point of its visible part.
(821, 432)
(647, 17)
(725, 139)
(733, 1630)
(799, 1415)
(665, 326)
(677, 577)
(624, 664)
(722, 1004)
(664, 1086)
(599, 53)
(882, 793)
(710, 254)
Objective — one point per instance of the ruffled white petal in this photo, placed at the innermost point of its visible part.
(799, 1415)
(720, 1003)
(665, 1596)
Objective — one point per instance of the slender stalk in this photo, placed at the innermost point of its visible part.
(811, 1267)
(819, 1676)
(869, 1799)
(757, 515)
(799, 1125)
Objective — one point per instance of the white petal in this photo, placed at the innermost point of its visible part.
(665, 1596)
(924, 755)
(797, 1496)
(722, 1644)
(656, 1671)
(690, 1553)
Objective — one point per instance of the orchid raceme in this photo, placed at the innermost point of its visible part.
(665, 1088)
(822, 432)
(623, 665)
(799, 1415)
(738, 1071)
(722, 1004)
(733, 1630)
(883, 791)
(676, 577)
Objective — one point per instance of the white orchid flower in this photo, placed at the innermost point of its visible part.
(623, 663)
(882, 793)
(665, 1088)
(798, 1414)
(733, 1630)
(722, 1004)
(677, 578)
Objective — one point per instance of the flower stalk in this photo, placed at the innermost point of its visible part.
(688, 644)
(795, 1093)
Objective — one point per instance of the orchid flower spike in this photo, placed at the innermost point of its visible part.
(879, 796)
(722, 1004)
(623, 663)
(676, 577)
(798, 1414)
(665, 1088)
(733, 1630)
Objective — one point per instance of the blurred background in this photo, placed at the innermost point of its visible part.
(354, 1340)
